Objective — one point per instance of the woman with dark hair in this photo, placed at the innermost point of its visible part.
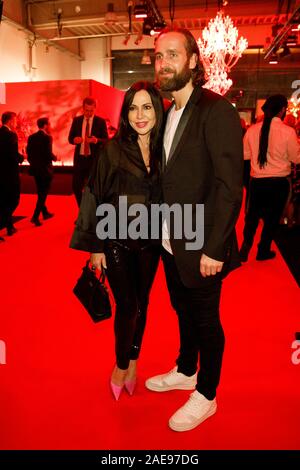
(271, 146)
(129, 165)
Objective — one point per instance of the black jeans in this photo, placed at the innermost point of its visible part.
(81, 171)
(200, 329)
(43, 183)
(130, 271)
(267, 200)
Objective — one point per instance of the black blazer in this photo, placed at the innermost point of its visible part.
(9, 157)
(120, 171)
(205, 166)
(39, 153)
(98, 130)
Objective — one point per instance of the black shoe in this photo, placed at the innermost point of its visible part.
(11, 230)
(36, 221)
(244, 252)
(48, 215)
(265, 255)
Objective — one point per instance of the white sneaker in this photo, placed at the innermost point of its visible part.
(172, 380)
(196, 410)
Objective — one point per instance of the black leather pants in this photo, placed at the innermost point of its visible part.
(130, 271)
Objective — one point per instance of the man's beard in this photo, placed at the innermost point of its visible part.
(177, 82)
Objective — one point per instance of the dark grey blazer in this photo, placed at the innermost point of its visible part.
(205, 166)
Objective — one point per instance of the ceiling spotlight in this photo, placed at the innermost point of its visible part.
(138, 39)
(140, 11)
(126, 39)
(285, 51)
(273, 59)
(148, 26)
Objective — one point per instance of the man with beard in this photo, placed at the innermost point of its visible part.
(202, 164)
(9, 175)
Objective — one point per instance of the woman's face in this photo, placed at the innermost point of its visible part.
(141, 114)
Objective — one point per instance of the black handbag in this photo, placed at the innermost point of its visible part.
(93, 294)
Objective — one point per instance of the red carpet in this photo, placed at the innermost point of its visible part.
(54, 390)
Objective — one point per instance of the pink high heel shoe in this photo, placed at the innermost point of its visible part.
(130, 386)
(116, 390)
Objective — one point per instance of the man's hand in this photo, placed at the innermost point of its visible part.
(209, 266)
(77, 140)
(92, 140)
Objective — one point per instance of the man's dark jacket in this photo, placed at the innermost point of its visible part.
(205, 166)
(98, 130)
(39, 153)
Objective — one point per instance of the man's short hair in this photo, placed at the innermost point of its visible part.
(7, 116)
(89, 101)
(42, 122)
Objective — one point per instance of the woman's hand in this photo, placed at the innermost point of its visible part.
(210, 266)
(98, 261)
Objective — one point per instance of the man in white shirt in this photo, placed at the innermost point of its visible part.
(87, 133)
(202, 164)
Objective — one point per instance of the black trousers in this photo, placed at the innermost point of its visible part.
(200, 329)
(9, 201)
(43, 183)
(81, 171)
(266, 201)
(130, 271)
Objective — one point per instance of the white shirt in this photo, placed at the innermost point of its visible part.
(171, 126)
(283, 148)
(91, 119)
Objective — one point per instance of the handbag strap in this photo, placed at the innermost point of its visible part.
(102, 275)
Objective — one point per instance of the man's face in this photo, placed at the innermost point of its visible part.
(172, 66)
(47, 128)
(88, 110)
(12, 124)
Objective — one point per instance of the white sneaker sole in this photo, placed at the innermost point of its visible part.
(166, 388)
(188, 427)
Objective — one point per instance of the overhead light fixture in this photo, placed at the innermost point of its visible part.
(148, 26)
(138, 39)
(273, 59)
(141, 11)
(220, 49)
(126, 39)
(292, 40)
(146, 59)
(285, 51)
(110, 15)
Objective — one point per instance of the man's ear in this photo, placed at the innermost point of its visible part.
(193, 61)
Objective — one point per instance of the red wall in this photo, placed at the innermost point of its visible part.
(60, 100)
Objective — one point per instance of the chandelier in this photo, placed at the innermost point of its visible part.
(220, 50)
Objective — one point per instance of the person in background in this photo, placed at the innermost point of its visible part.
(88, 132)
(129, 165)
(271, 146)
(40, 158)
(9, 174)
(203, 164)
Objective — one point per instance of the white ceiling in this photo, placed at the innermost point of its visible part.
(86, 18)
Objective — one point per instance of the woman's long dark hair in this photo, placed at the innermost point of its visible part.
(271, 108)
(127, 134)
